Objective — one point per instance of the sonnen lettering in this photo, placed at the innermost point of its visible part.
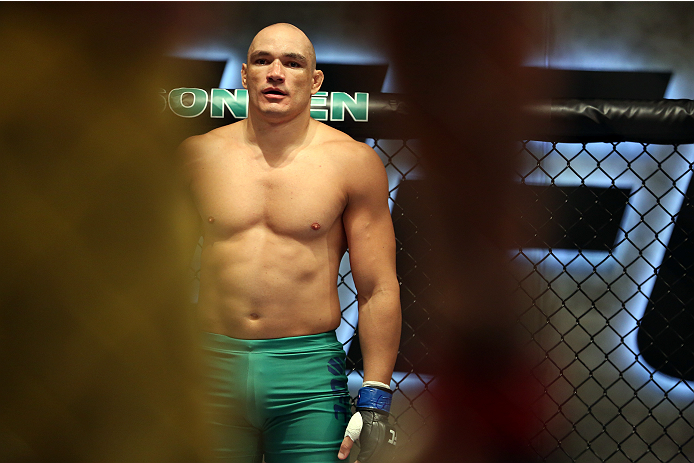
(325, 106)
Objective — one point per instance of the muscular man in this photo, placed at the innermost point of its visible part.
(282, 197)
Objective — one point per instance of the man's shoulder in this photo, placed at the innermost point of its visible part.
(339, 142)
(357, 161)
(221, 136)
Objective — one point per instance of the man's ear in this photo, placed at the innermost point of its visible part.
(244, 68)
(317, 81)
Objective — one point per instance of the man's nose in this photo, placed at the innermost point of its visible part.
(276, 71)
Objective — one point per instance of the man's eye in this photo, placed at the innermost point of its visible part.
(294, 64)
(261, 61)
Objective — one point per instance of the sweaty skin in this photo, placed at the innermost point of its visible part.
(281, 197)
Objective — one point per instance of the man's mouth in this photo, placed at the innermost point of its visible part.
(274, 91)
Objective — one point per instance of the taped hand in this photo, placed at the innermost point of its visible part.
(370, 425)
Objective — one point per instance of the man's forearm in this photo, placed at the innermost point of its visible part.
(380, 323)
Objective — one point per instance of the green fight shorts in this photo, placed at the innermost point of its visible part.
(285, 399)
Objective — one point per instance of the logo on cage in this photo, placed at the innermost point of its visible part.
(325, 106)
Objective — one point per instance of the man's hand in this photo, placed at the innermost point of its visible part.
(370, 425)
(351, 435)
(345, 448)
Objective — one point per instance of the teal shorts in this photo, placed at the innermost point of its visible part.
(285, 399)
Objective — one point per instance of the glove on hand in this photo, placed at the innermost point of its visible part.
(377, 437)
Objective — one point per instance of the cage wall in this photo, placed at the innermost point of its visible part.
(614, 333)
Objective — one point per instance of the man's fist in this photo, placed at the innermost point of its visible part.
(370, 425)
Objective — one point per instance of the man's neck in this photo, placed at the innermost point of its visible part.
(277, 139)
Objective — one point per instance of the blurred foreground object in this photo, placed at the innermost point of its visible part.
(98, 348)
(462, 63)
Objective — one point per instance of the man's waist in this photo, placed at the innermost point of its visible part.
(238, 318)
(303, 343)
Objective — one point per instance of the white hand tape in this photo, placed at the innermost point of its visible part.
(354, 427)
(376, 383)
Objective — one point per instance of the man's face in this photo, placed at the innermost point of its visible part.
(280, 74)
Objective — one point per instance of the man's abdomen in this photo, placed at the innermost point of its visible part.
(262, 291)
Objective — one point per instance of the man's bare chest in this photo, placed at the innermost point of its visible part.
(234, 195)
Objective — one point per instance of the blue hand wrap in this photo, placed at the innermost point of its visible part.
(374, 399)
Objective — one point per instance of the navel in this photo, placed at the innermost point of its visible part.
(254, 316)
(315, 226)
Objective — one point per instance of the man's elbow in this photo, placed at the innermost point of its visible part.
(387, 295)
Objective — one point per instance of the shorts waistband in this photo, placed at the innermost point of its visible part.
(310, 342)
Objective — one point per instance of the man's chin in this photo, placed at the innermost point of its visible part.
(276, 112)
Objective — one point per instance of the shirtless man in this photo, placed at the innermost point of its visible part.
(282, 197)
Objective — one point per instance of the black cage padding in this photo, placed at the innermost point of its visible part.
(586, 121)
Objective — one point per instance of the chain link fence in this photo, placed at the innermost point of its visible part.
(604, 267)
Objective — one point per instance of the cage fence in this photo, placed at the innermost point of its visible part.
(604, 264)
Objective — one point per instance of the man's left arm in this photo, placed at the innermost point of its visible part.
(371, 241)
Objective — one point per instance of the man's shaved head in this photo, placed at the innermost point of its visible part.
(289, 34)
(280, 73)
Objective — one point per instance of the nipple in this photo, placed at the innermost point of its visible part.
(210, 219)
(315, 225)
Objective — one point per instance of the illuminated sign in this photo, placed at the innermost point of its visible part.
(628, 272)
(325, 106)
(339, 102)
